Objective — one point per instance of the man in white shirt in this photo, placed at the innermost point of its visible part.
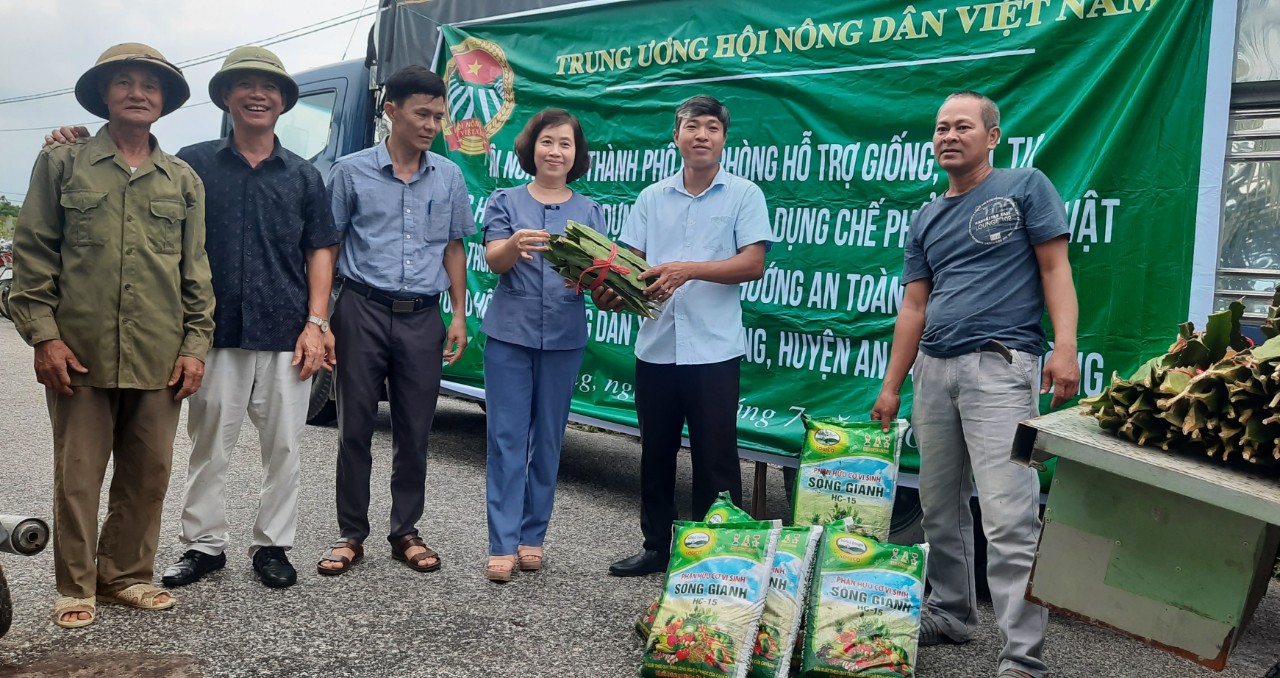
(705, 231)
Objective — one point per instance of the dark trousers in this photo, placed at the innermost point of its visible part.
(404, 349)
(667, 396)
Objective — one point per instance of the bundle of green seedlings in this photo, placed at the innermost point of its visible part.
(1213, 392)
(580, 255)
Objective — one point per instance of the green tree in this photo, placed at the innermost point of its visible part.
(8, 217)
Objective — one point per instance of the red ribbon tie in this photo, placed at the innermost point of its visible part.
(604, 266)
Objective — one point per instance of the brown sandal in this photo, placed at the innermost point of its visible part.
(495, 570)
(345, 562)
(530, 561)
(402, 546)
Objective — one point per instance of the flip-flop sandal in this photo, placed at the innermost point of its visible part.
(416, 563)
(67, 605)
(529, 561)
(500, 575)
(344, 563)
(141, 596)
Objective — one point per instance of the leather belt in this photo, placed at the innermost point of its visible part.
(396, 305)
(993, 346)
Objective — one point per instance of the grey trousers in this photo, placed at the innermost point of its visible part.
(405, 350)
(964, 416)
(263, 385)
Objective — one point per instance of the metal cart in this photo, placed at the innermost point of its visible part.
(1171, 549)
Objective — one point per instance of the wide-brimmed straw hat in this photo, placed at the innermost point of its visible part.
(252, 60)
(89, 86)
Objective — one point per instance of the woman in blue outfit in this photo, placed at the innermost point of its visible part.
(537, 331)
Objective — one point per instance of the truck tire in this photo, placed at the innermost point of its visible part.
(1274, 672)
(6, 605)
(322, 410)
(905, 526)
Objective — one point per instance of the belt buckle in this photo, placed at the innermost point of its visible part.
(404, 305)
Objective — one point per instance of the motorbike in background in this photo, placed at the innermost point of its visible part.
(6, 278)
(21, 536)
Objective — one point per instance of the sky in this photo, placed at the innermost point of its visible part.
(48, 44)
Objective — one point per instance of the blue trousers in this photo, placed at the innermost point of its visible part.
(527, 394)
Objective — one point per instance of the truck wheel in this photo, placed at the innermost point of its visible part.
(6, 605)
(322, 410)
(1274, 672)
(905, 526)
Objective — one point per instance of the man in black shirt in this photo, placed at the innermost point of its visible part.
(272, 246)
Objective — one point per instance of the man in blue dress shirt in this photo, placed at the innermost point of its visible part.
(706, 231)
(403, 212)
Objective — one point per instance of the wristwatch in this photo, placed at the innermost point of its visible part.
(319, 322)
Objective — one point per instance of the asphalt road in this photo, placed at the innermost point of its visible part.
(382, 619)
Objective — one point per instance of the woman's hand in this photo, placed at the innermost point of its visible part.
(528, 241)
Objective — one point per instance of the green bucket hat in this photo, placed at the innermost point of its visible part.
(257, 60)
(89, 86)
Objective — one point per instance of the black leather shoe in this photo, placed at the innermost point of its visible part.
(191, 567)
(645, 562)
(273, 567)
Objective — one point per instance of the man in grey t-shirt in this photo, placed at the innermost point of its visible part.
(983, 261)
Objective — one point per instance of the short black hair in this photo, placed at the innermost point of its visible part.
(990, 111)
(553, 117)
(703, 105)
(411, 80)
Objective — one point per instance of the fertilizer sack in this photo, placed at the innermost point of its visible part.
(864, 607)
(722, 510)
(784, 604)
(848, 470)
(712, 600)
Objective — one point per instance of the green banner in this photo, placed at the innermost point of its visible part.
(833, 107)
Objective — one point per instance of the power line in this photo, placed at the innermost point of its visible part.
(281, 37)
(331, 22)
(353, 32)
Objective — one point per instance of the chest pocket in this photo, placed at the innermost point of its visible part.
(84, 214)
(712, 238)
(164, 228)
(434, 216)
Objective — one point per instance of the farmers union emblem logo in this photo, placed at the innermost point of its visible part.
(481, 95)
